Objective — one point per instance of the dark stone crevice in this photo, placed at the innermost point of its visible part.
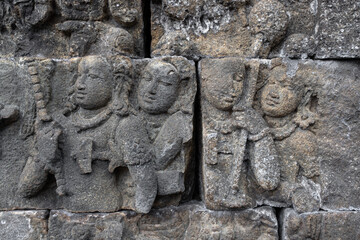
(278, 212)
(147, 28)
(197, 133)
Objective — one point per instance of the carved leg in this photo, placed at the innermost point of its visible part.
(146, 186)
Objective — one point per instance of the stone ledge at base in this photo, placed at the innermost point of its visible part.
(320, 225)
(190, 221)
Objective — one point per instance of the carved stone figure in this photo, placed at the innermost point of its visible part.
(83, 147)
(289, 111)
(233, 132)
(165, 95)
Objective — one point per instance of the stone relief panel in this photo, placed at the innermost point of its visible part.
(255, 28)
(62, 28)
(16, 127)
(291, 153)
(105, 134)
(190, 221)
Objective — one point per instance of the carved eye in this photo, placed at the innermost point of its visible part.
(165, 83)
(93, 76)
(171, 73)
(146, 77)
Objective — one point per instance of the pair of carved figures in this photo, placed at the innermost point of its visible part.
(99, 132)
(269, 145)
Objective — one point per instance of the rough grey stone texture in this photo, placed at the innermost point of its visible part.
(61, 28)
(256, 28)
(25, 225)
(103, 133)
(320, 225)
(237, 28)
(338, 27)
(300, 142)
(191, 221)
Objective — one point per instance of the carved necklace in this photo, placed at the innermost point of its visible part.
(283, 132)
(82, 123)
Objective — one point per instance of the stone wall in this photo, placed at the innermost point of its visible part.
(179, 119)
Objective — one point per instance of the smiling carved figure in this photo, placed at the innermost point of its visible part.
(281, 95)
(289, 110)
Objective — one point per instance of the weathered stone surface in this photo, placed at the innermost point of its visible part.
(320, 225)
(217, 28)
(338, 29)
(71, 28)
(106, 133)
(25, 225)
(279, 133)
(259, 28)
(190, 221)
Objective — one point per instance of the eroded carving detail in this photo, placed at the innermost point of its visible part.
(289, 105)
(98, 133)
(192, 28)
(165, 95)
(233, 133)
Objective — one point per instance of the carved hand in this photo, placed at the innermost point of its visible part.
(47, 144)
(250, 120)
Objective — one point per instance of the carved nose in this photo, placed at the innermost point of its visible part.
(81, 86)
(153, 87)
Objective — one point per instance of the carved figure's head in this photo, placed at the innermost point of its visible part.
(159, 85)
(224, 87)
(282, 94)
(94, 84)
(101, 82)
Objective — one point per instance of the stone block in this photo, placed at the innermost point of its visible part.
(25, 225)
(100, 133)
(190, 221)
(280, 133)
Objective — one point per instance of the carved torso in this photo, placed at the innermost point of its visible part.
(87, 191)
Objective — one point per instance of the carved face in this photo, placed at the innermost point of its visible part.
(280, 96)
(94, 84)
(223, 88)
(158, 87)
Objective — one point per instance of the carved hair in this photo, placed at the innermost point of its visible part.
(121, 69)
(186, 90)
